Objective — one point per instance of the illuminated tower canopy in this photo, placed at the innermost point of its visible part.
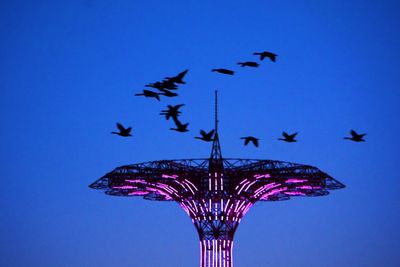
(216, 193)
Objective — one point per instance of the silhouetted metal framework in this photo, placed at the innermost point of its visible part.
(216, 193)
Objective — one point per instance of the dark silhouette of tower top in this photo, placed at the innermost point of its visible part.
(216, 154)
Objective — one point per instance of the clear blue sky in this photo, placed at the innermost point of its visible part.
(69, 70)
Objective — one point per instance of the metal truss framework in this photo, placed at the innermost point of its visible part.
(216, 193)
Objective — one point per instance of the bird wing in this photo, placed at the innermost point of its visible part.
(210, 133)
(246, 141)
(353, 133)
(182, 74)
(255, 142)
(293, 135)
(285, 134)
(176, 107)
(203, 133)
(120, 127)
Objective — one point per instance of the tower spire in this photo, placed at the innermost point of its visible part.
(216, 155)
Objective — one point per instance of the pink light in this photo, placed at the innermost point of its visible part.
(294, 193)
(247, 208)
(263, 188)
(243, 181)
(296, 180)
(136, 181)
(308, 187)
(138, 193)
(201, 254)
(243, 187)
(259, 176)
(174, 176)
(273, 192)
(195, 188)
(124, 187)
(247, 188)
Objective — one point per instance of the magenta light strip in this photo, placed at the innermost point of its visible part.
(195, 188)
(209, 181)
(136, 181)
(174, 176)
(308, 187)
(259, 176)
(124, 187)
(242, 187)
(273, 192)
(227, 203)
(247, 208)
(201, 254)
(247, 188)
(296, 180)
(266, 187)
(138, 193)
(231, 255)
(295, 193)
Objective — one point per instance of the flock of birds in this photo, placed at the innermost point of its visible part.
(168, 86)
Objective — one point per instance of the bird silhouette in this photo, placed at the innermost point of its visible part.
(265, 54)
(167, 93)
(355, 137)
(125, 132)
(165, 84)
(208, 137)
(148, 93)
(249, 64)
(288, 137)
(179, 126)
(224, 71)
(172, 111)
(250, 139)
(178, 78)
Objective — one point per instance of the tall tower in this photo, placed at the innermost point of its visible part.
(216, 193)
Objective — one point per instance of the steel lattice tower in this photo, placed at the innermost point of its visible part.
(216, 193)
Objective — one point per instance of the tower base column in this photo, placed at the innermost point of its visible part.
(216, 253)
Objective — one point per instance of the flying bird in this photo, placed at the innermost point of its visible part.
(179, 126)
(172, 111)
(125, 132)
(178, 78)
(224, 71)
(208, 137)
(355, 137)
(250, 139)
(148, 93)
(167, 93)
(165, 84)
(249, 64)
(288, 137)
(265, 54)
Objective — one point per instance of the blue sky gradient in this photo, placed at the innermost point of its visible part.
(69, 72)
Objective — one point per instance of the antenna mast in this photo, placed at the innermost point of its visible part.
(216, 111)
(216, 162)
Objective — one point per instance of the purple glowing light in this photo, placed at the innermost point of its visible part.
(294, 180)
(308, 187)
(138, 193)
(259, 176)
(124, 187)
(294, 193)
(173, 176)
